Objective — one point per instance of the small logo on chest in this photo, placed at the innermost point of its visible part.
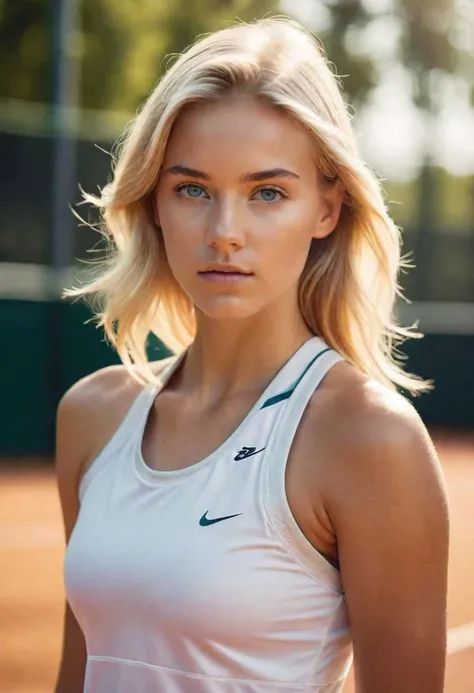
(247, 452)
(206, 521)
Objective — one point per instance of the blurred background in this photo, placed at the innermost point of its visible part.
(72, 74)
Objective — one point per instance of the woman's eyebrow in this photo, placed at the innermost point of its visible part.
(178, 169)
(271, 173)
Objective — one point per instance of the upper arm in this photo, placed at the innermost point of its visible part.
(389, 512)
(83, 417)
(69, 458)
(70, 453)
(78, 422)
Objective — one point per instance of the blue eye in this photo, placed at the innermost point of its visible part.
(268, 194)
(192, 189)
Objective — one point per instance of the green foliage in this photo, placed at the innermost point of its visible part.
(121, 45)
(427, 44)
(451, 202)
(358, 72)
(125, 43)
(25, 50)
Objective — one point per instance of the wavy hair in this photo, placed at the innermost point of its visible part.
(349, 285)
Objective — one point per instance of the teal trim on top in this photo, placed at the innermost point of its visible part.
(277, 398)
(286, 394)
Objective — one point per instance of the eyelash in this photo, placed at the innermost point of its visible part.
(181, 186)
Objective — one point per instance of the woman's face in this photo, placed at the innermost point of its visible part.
(239, 186)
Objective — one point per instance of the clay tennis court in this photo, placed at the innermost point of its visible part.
(31, 580)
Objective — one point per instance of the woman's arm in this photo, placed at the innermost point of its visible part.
(71, 430)
(389, 509)
(88, 415)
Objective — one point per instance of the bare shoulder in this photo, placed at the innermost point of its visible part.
(363, 421)
(90, 411)
(376, 442)
(379, 467)
(106, 382)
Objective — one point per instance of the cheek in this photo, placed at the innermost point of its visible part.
(181, 227)
(176, 231)
(177, 252)
(290, 241)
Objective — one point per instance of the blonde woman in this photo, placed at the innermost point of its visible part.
(243, 516)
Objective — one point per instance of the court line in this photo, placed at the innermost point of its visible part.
(460, 638)
(26, 537)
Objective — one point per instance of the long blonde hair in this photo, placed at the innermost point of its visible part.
(348, 287)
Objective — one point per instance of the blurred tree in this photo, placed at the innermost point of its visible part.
(428, 44)
(427, 48)
(357, 69)
(433, 44)
(430, 49)
(121, 44)
(124, 44)
(25, 50)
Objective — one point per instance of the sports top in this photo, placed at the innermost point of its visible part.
(199, 580)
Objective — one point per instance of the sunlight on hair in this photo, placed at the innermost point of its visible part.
(349, 285)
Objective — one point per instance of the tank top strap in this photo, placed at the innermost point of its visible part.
(280, 387)
(150, 393)
(274, 484)
(290, 375)
(137, 414)
(130, 427)
(287, 378)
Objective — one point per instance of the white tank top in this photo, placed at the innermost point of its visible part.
(200, 580)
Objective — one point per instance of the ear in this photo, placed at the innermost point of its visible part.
(331, 196)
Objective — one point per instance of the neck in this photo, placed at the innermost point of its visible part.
(235, 356)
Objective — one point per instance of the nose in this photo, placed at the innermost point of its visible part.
(225, 232)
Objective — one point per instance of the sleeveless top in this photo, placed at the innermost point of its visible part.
(199, 580)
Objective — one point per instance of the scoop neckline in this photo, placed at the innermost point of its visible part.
(160, 476)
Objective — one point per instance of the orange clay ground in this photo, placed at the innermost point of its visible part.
(31, 580)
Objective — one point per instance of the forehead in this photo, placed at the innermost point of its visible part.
(239, 130)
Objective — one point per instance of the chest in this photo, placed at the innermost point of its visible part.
(179, 433)
(144, 557)
(177, 436)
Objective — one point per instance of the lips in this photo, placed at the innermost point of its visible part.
(226, 272)
(225, 276)
(224, 268)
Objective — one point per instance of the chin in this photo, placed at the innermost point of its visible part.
(228, 307)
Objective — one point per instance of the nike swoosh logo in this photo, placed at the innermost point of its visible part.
(205, 521)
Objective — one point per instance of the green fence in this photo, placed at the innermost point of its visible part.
(47, 346)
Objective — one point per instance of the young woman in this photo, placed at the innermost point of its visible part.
(241, 516)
